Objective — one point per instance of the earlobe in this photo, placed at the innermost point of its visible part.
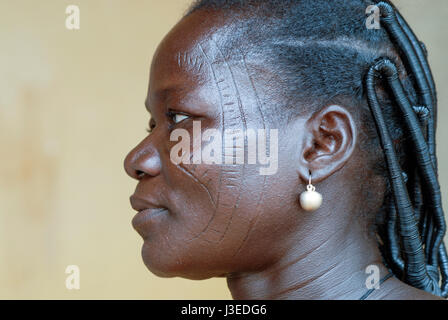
(328, 143)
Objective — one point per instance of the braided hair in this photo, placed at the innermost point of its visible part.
(324, 53)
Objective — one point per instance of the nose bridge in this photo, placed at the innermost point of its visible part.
(143, 159)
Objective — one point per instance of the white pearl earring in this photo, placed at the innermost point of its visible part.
(310, 200)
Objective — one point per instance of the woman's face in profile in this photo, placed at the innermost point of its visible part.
(202, 220)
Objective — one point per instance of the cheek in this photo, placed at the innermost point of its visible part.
(195, 197)
(218, 206)
(198, 239)
(213, 218)
(205, 197)
(206, 200)
(224, 218)
(202, 240)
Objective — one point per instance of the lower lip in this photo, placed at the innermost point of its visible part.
(144, 217)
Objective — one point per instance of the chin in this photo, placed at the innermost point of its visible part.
(168, 266)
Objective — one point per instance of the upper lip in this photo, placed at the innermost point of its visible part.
(140, 204)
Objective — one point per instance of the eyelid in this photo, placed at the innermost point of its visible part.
(172, 114)
(151, 127)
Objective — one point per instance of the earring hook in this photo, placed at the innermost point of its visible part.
(310, 187)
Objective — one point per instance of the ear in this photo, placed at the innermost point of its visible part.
(328, 142)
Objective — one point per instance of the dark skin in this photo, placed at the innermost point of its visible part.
(228, 220)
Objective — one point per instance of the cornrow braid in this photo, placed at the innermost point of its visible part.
(417, 269)
(323, 53)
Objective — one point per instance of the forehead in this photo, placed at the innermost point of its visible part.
(186, 52)
(194, 65)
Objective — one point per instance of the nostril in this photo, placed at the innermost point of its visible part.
(142, 161)
(140, 174)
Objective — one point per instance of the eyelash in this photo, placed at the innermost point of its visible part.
(149, 130)
(170, 114)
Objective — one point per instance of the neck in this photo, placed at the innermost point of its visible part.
(326, 267)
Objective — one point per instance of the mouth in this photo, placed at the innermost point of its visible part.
(145, 218)
(148, 214)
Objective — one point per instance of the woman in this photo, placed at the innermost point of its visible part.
(349, 113)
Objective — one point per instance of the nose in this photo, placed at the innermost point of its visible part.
(143, 160)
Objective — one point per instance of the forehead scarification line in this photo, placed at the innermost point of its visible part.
(232, 76)
(189, 61)
(215, 80)
(254, 89)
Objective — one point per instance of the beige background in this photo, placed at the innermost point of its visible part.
(64, 95)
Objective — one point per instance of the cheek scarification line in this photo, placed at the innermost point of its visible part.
(260, 200)
(218, 70)
(186, 171)
(208, 62)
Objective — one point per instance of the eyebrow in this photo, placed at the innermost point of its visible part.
(162, 94)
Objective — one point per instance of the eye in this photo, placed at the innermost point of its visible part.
(177, 117)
